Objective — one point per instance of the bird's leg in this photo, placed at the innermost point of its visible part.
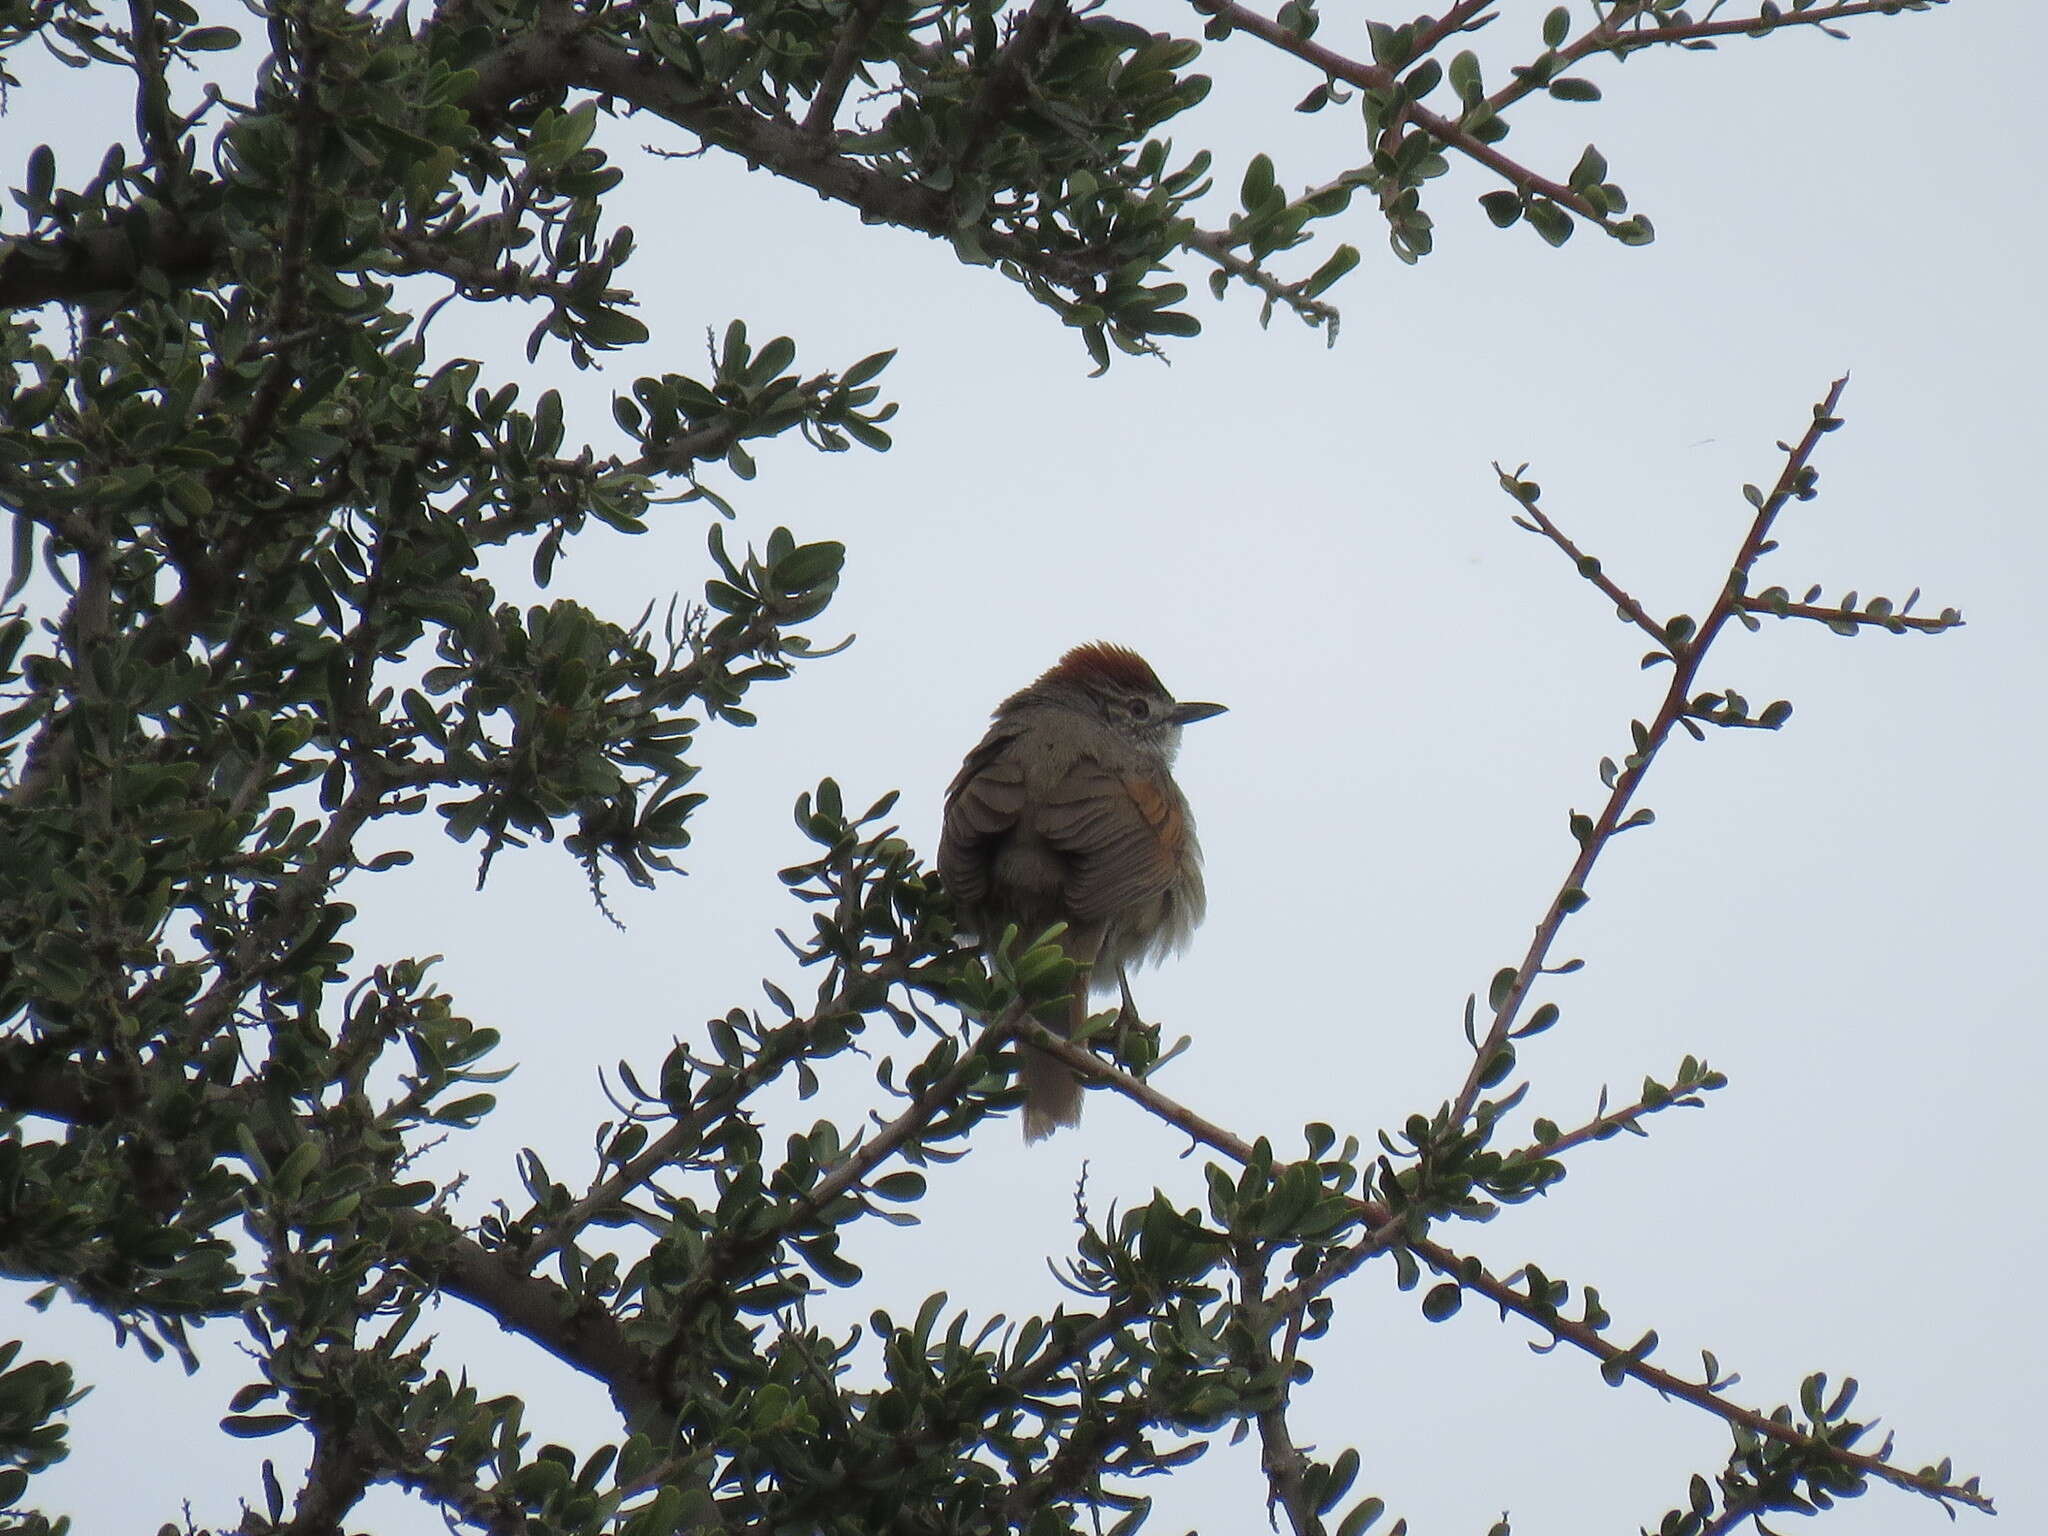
(1127, 1016)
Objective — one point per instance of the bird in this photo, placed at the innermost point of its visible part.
(1067, 812)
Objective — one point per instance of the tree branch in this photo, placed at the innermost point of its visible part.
(1390, 1230)
(1587, 566)
(1279, 1457)
(727, 1260)
(846, 54)
(559, 53)
(577, 1331)
(1373, 77)
(1793, 480)
(1611, 1122)
(688, 1131)
(1837, 618)
(1007, 80)
(1619, 1362)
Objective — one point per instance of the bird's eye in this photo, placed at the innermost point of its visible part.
(1141, 709)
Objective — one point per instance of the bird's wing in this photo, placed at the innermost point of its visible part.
(1122, 832)
(983, 804)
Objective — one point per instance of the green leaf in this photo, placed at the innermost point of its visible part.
(608, 328)
(770, 362)
(24, 556)
(255, 1426)
(1391, 46)
(1549, 221)
(42, 176)
(1497, 1069)
(906, 1185)
(1503, 207)
(867, 368)
(1466, 80)
(1502, 984)
(1574, 88)
(809, 567)
(209, 39)
(1555, 26)
(1258, 182)
(1341, 261)
(1443, 1301)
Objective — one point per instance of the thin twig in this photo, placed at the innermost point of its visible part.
(1897, 623)
(1461, 17)
(1608, 1124)
(1589, 568)
(1217, 248)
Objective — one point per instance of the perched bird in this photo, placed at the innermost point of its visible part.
(1067, 812)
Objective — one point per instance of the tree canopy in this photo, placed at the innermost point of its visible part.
(251, 631)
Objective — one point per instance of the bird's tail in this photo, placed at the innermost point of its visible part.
(1052, 1093)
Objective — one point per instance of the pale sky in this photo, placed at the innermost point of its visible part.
(1844, 916)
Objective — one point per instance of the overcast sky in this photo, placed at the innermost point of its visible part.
(1845, 917)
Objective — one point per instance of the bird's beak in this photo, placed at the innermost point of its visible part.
(1188, 714)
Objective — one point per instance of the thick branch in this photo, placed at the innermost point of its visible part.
(336, 1480)
(559, 54)
(1283, 1462)
(39, 1078)
(185, 248)
(580, 1333)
